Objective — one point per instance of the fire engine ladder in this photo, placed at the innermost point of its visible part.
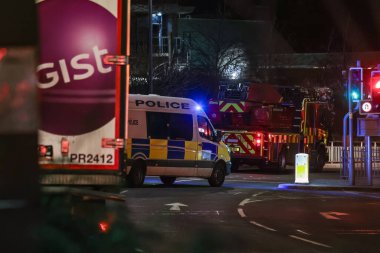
(296, 121)
(233, 92)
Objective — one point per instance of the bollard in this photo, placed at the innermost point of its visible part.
(302, 168)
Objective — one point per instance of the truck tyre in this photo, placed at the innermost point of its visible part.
(234, 165)
(167, 180)
(218, 175)
(281, 161)
(136, 176)
(319, 160)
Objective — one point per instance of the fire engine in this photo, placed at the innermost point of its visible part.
(261, 129)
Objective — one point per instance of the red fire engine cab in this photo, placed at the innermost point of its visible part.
(260, 129)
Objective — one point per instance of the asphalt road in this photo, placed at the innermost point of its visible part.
(250, 214)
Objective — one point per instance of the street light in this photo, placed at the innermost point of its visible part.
(150, 48)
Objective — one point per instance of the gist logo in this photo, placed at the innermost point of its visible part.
(79, 68)
(77, 90)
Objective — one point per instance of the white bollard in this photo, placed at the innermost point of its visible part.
(302, 168)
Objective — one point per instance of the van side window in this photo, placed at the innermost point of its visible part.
(173, 126)
(157, 125)
(205, 129)
(181, 126)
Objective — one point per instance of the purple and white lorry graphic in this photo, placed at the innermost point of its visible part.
(77, 90)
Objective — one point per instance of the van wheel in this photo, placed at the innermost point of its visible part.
(136, 176)
(167, 180)
(218, 175)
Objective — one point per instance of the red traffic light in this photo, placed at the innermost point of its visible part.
(375, 86)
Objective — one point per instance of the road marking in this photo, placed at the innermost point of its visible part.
(302, 232)
(236, 193)
(246, 201)
(184, 212)
(241, 212)
(310, 241)
(332, 215)
(217, 212)
(124, 192)
(175, 206)
(262, 226)
(258, 194)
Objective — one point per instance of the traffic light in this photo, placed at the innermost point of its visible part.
(372, 106)
(356, 81)
(375, 86)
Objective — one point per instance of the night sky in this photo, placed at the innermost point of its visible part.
(307, 25)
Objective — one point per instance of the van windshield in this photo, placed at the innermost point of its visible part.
(206, 130)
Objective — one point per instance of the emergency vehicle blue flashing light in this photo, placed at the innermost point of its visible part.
(198, 107)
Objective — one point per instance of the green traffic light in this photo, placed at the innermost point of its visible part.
(355, 95)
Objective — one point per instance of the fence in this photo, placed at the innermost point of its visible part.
(335, 149)
(339, 156)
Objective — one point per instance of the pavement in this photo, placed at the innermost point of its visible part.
(331, 180)
(328, 180)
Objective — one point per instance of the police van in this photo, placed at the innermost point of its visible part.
(172, 137)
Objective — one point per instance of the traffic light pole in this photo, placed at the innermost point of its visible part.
(351, 165)
(368, 161)
(355, 77)
(150, 48)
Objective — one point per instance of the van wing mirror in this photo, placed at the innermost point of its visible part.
(218, 136)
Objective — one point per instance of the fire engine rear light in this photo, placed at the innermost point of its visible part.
(258, 142)
(65, 146)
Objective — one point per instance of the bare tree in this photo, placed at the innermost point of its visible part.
(215, 52)
(211, 53)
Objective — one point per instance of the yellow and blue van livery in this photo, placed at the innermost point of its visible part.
(172, 137)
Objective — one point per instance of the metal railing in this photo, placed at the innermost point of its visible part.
(335, 151)
(337, 155)
(161, 45)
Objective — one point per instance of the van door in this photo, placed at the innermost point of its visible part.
(207, 148)
(181, 147)
(172, 151)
